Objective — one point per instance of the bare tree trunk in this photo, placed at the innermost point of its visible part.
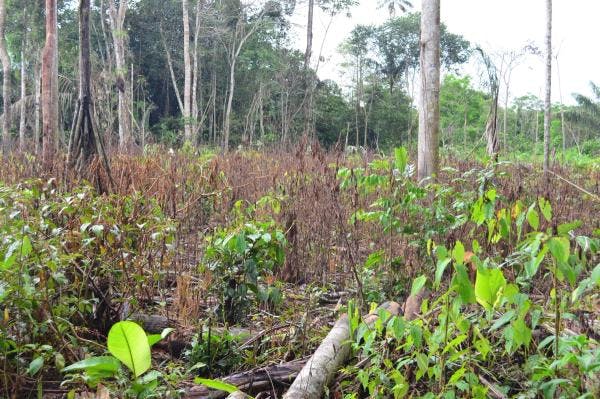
(187, 63)
(197, 75)
(234, 53)
(6, 79)
(429, 111)
(307, 77)
(22, 118)
(37, 112)
(548, 98)
(117, 20)
(50, 87)
(227, 121)
(562, 112)
(491, 128)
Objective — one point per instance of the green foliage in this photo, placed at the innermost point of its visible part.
(51, 246)
(214, 352)
(241, 258)
(129, 345)
(479, 321)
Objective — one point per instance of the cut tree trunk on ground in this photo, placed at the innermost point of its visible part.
(257, 380)
(329, 357)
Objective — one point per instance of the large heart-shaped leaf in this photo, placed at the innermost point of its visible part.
(489, 284)
(127, 341)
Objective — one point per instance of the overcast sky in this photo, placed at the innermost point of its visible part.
(496, 25)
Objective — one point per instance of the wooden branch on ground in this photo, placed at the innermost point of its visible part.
(257, 380)
(329, 357)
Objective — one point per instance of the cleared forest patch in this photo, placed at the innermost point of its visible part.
(251, 258)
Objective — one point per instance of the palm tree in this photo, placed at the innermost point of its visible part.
(586, 115)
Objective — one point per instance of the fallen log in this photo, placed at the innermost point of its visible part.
(257, 380)
(329, 357)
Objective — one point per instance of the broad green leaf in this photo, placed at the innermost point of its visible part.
(560, 248)
(546, 209)
(566, 228)
(418, 284)
(488, 286)
(533, 217)
(127, 341)
(35, 365)
(216, 384)
(521, 333)
(462, 284)
(439, 270)
(458, 253)
(98, 363)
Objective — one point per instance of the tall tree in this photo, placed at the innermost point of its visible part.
(6, 79)
(117, 23)
(429, 110)
(307, 71)
(548, 98)
(50, 86)
(85, 141)
(23, 115)
(187, 64)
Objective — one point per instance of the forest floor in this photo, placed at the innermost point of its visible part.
(251, 258)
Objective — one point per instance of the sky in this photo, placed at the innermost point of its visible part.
(497, 25)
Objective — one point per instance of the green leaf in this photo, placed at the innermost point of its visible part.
(35, 365)
(216, 384)
(155, 338)
(458, 253)
(488, 286)
(546, 209)
(127, 341)
(400, 159)
(439, 270)
(26, 247)
(462, 284)
(502, 320)
(418, 285)
(521, 333)
(533, 217)
(566, 228)
(560, 247)
(98, 363)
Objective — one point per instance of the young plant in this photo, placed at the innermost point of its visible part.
(242, 259)
(129, 345)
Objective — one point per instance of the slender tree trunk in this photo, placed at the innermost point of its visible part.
(187, 63)
(227, 121)
(307, 78)
(548, 98)
(50, 87)
(37, 112)
(429, 111)
(234, 53)
(505, 121)
(117, 20)
(197, 75)
(22, 119)
(562, 113)
(6, 79)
